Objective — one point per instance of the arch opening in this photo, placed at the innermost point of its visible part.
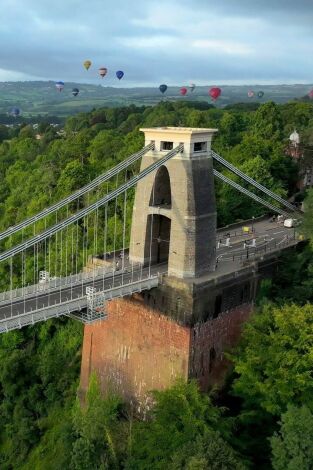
(161, 191)
(157, 243)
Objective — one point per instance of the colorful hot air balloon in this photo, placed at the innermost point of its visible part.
(15, 112)
(59, 85)
(163, 88)
(311, 94)
(103, 71)
(215, 92)
(183, 91)
(260, 94)
(250, 94)
(75, 91)
(192, 87)
(87, 64)
(120, 74)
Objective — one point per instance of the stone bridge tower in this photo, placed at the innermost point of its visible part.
(174, 215)
(182, 327)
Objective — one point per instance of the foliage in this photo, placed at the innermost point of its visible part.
(40, 365)
(38, 375)
(94, 424)
(292, 446)
(275, 360)
(307, 225)
(183, 433)
(294, 281)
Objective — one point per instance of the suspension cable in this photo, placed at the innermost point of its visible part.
(248, 193)
(87, 210)
(250, 180)
(89, 187)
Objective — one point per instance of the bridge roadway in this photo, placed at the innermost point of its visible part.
(129, 281)
(69, 298)
(269, 236)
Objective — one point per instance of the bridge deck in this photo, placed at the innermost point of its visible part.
(66, 300)
(64, 297)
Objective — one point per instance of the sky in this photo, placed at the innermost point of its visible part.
(174, 42)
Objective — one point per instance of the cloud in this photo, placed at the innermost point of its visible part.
(154, 41)
(148, 42)
(226, 47)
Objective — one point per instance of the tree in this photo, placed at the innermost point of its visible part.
(268, 121)
(231, 126)
(72, 178)
(275, 360)
(183, 433)
(292, 446)
(307, 225)
(93, 424)
(209, 452)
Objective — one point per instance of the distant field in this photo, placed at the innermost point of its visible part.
(42, 97)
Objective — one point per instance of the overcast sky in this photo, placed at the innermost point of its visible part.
(175, 42)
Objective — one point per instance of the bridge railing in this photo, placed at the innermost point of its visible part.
(56, 283)
(53, 283)
(76, 308)
(249, 253)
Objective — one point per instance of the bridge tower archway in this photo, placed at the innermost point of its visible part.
(161, 194)
(158, 238)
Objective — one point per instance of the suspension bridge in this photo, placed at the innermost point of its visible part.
(128, 229)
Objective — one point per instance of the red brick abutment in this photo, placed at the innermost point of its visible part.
(180, 329)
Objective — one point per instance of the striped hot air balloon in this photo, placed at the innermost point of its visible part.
(103, 71)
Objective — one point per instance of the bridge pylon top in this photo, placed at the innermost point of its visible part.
(196, 140)
(180, 130)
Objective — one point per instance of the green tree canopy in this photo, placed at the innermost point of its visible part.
(292, 446)
(183, 433)
(275, 360)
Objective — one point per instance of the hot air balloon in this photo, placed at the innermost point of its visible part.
(15, 112)
(260, 94)
(192, 86)
(250, 94)
(87, 64)
(183, 91)
(311, 94)
(59, 85)
(120, 74)
(215, 93)
(103, 71)
(163, 88)
(75, 91)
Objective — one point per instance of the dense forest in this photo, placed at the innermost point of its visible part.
(263, 418)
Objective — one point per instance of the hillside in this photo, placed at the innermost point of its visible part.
(35, 98)
(42, 424)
